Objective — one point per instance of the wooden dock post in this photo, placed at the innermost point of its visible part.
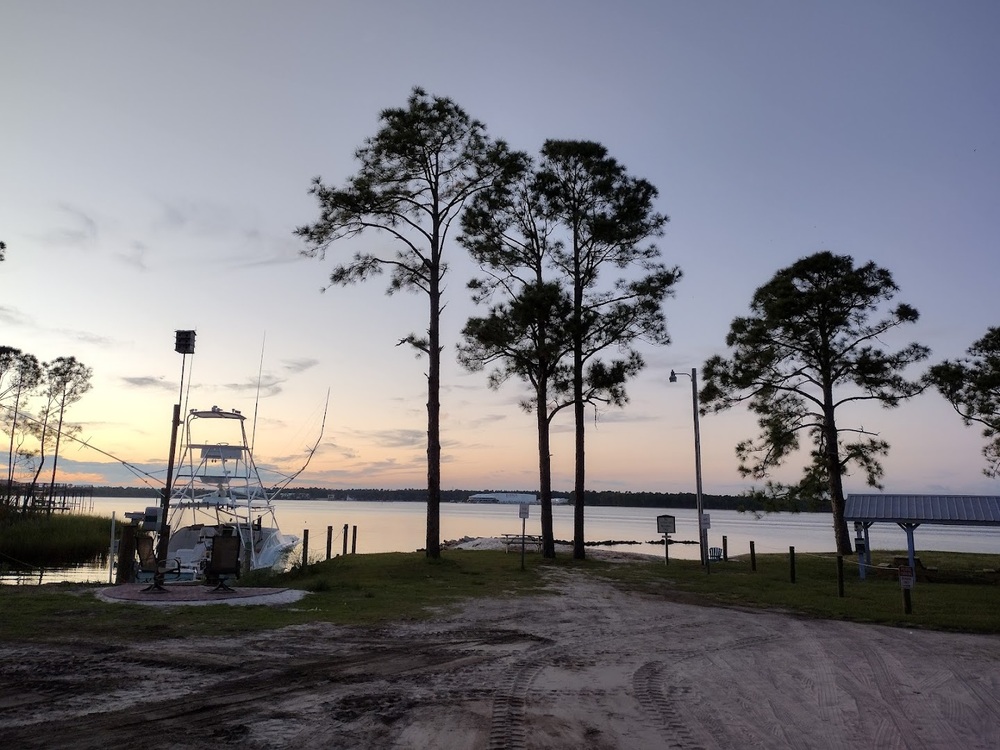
(791, 562)
(329, 541)
(753, 558)
(305, 547)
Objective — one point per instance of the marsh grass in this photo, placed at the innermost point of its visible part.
(52, 540)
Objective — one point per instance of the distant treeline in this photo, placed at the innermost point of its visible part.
(604, 498)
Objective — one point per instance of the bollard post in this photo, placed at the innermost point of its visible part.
(791, 562)
(345, 540)
(840, 576)
(305, 547)
(753, 558)
(354, 540)
(329, 541)
(725, 548)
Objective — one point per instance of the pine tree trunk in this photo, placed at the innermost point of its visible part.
(544, 470)
(433, 542)
(836, 484)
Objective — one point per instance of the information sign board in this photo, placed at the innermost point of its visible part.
(706, 521)
(523, 510)
(666, 525)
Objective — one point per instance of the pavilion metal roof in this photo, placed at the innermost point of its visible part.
(958, 510)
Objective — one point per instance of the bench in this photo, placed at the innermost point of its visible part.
(514, 540)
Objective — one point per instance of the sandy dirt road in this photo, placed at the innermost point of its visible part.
(588, 666)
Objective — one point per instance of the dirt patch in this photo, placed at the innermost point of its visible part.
(587, 666)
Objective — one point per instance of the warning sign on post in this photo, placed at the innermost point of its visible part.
(905, 577)
(523, 510)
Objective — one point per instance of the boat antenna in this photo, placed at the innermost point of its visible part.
(256, 402)
(310, 453)
(187, 391)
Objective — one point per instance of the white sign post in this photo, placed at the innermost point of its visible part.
(666, 525)
(906, 583)
(523, 511)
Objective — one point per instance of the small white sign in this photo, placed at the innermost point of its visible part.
(905, 577)
(706, 521)
(523, 510)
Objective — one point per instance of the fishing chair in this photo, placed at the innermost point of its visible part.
(224, 561)
(147, 559)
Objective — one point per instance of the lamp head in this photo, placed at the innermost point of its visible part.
(673, 377)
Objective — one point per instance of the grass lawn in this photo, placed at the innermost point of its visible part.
(369, 589)
(964, 595)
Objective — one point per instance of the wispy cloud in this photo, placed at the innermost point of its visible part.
(244, 245)
(619, 415)
(201, 218)
(78, 228)
(87, 337)
(135, 257)
(148, 381)
(487, 420)
(269, 385)
(400, 438)
(299, 365)
(13, 317)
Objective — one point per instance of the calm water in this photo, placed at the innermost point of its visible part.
(400, 527)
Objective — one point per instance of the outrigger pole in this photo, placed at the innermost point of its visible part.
(183, 345)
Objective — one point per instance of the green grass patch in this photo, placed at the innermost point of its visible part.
(351, 590)
(963, 596)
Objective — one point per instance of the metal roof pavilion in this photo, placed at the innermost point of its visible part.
(958, 510)
(909, 511)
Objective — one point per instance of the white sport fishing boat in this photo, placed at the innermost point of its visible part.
(218, 490)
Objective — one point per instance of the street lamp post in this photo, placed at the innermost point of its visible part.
(702, 541)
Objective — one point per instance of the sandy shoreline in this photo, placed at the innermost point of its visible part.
(586, 666)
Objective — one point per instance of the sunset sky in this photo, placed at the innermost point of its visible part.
(156, 158)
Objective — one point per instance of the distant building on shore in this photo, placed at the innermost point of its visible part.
(511, 498)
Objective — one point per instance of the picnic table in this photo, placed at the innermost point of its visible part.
(514, 540)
